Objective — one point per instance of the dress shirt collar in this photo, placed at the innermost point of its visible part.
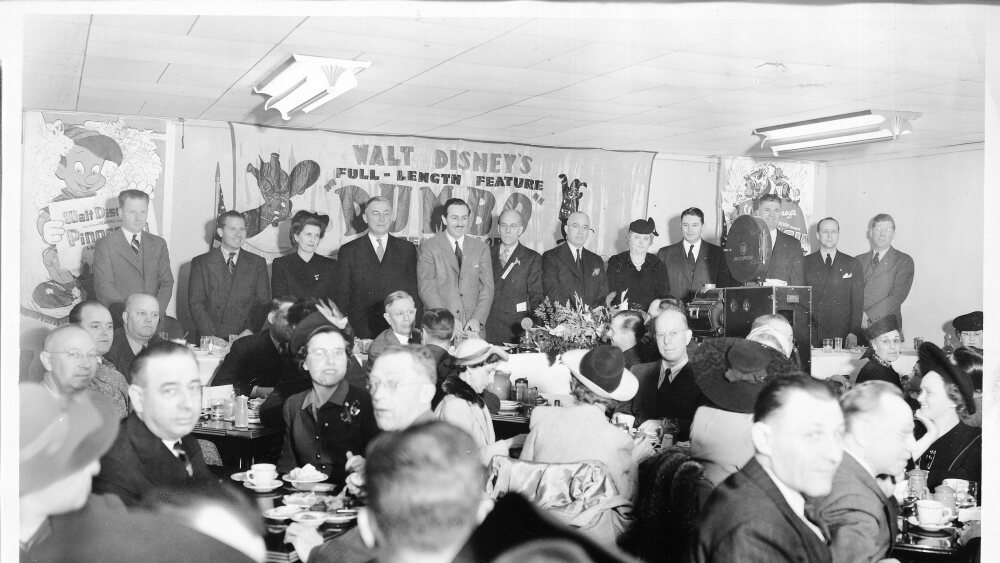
(374, 239)
(128, 235)
(452, 241)
(402, 338)
(134, 344)
(338, 397)
(861, 461)
(509, 251)
(774, 237)
(573, 249)
(696, 245)
(831, 253)
(170, 446)
(794, 499)
(673, 370)
(225, 254)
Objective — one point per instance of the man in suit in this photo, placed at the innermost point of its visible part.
(455, 271)
(227, 284)
(141, 316)
(371, 267)
(785, 263)
(861, 511)
(400, 312)
(667, 388)
(838, 288)
(758, 513)
(155, 446)
(693, 262)
(570, 269)
(517, 281)
(256, 363)
(132, 261)
(888, 273)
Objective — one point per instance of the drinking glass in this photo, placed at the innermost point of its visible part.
(967, 499)
(827, 344)
(838, 344)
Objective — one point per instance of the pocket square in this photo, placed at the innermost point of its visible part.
(848, 275)
(596, 272)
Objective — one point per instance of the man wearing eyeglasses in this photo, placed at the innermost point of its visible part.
(570, 270)
(888, 273)
(517, 281)
(400, 312)
(69, 357)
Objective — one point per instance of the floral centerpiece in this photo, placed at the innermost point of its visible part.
(567, 327)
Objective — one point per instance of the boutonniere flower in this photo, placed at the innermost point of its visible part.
(596, 272)
(350, 411)
(316, 277)
(516, 262)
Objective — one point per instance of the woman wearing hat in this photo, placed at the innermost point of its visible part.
(883, 335)
(582, 432)
(949, 449)
(304, 273)
(637, 271)
(463, 405)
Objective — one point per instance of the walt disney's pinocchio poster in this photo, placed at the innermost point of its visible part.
(74, 166)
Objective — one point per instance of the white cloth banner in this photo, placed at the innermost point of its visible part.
(280, 171)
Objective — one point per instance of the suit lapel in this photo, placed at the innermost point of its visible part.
(159, 464)
(756, 473)
(125, 251)
(449, 252)
(570, 262)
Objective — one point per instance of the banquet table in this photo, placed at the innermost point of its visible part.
(848, 363)
(241, 447)
(534, 366)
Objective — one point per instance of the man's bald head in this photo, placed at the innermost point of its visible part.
(577, 228)
(142, 315)
(70, 359)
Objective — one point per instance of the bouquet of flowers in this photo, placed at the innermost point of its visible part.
(567, 327)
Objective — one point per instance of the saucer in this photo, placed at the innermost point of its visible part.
(263, 488)
(929, 527)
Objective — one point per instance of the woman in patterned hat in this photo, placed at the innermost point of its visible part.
(883, 335)
(636, 270)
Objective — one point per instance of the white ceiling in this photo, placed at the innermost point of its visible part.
(673, 79)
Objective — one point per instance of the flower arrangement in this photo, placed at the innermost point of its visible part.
(567, 327)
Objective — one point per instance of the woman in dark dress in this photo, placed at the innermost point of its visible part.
(949, 449)
(637, 271)
(884, 340)
(304, 273)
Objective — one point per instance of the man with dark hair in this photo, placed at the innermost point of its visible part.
(888, 273)
(693, 262)
(785, 263)
(758, 513)
(570, 270)
(371, 267)
(132, 261)
(256, 363)
(455, 271)
(155, 446)
(861, 511)
(95, 318)
(517, 281)
(438, 329)
(227, 284)
(838, 288)
(141, 316)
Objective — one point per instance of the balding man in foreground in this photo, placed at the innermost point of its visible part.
(758, 513)
(570, 269)
(861, 511)
(517, 281)
(141, 316)
(69, 358)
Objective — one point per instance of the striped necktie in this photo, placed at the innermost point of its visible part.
(135, 243)
(230, 264)
(182, 455)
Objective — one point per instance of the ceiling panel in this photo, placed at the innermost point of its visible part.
(245, 28)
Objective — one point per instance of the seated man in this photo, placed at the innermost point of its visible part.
(255, 364)
(758, 513)
(155, 446)
(400, 312)
(68, 360)
(861, 511)
(141, 316)
(438, 328)
(96, 319)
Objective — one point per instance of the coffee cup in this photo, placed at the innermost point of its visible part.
(933, 513)
(262, 474)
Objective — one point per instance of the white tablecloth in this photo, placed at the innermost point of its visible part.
(844, 362)
(535, 368)
(207, 364)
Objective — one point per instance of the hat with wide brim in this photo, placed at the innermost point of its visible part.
(61, 435)
(931, 358)
(603, 371)
(732, 371)
(476, 351)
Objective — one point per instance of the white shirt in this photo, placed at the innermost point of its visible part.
(225, 254)
(697, 248)
(403, 339)
(460, 241)
(673, 370)
(832, 254)
(774, 237)
(573, 250)
(795, 501)
(170, 446)
(128, 236)
(375, 240)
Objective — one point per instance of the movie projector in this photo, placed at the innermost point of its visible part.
(731, 311)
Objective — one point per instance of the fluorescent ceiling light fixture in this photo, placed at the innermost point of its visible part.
(847, 129)
(307, 82)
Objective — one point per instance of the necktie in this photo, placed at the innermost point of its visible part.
(815, 523)
(874, 259)
(579, 260)
(135, 243)
(664, 376)
(691, 253)
(458, 255)
(379, 250)
(504, 256)
(230, 264)
(181, 455)
(829, 261)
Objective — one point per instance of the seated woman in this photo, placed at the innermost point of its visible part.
(949, 449)
(637, 276)
(304, 273)
(884, 339)
(627, 331)
(463, 404)
(970, 360)
(332, 418)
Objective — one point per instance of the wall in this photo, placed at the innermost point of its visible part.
(679, 182)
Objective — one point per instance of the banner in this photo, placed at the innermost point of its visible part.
(743, 180)
(73, 170)
(280, 171)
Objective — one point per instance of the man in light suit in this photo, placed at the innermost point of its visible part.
(758, 513)
(227, 284)
(861, 512)
(693, 262)
(785, 263)
(570, 269)
(888, 272)
(132, 261)
(517, 281)
(838, 288)
(371, 267)
(455, 271)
